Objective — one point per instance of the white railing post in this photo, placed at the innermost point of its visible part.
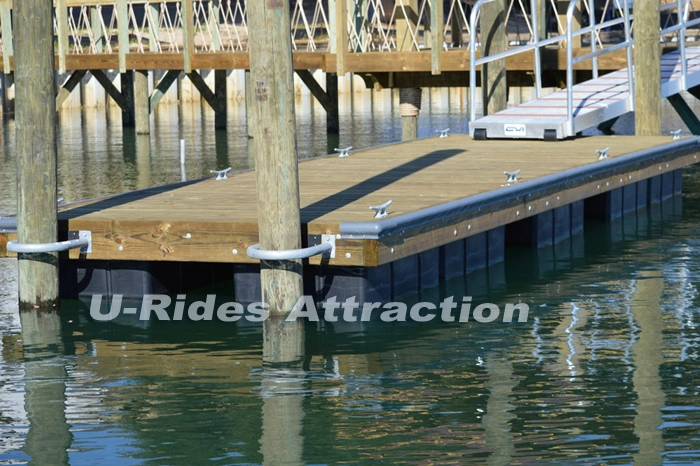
(594, 46)
(536, 40)
(630, 62)
(569, 66)
(681, 43)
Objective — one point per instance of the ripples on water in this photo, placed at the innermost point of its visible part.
(605, 371)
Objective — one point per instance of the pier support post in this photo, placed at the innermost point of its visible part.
(406, 41)
(142, 95)
(249, 104)
(647, 63)
(36, 152)
(279, 222)
(332, 114)
(220, 92)
(127, 83)
(493, 74)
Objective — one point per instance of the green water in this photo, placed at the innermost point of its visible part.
(605, 371)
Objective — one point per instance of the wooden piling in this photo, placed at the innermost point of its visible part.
(406, 38)
(127, 84)
(35, 126)
(249, 104)
(332, 115)
(220, 92)
(562, 7)
(493, 74)
(141, 102)
(279, 223)
(541, 6)
(647, 63)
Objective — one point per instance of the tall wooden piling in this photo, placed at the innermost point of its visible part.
(35, 126)
(274, 130)
(249, 104)
(332, 114)
(220, 92)
(142, 109)
(647, 63)
(406, 41)
(493, 74)
(127, 84)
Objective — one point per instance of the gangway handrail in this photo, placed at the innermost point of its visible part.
(594, 54)
(682, 24)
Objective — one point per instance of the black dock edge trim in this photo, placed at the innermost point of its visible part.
(473, 206)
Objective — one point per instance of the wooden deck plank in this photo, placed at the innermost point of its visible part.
(220, 216)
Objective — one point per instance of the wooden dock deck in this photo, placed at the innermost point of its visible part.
(443, 190)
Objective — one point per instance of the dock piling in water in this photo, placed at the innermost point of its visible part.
(36, 152)
(274, 130)
(647, 62)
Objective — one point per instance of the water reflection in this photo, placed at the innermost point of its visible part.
(49, 436)
(648, 357)
(604, 371)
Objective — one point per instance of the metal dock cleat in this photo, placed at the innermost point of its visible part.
(380, 210)
(221, 174)
(512, 176)
(443, 132)
(343, 152)
(602, 153)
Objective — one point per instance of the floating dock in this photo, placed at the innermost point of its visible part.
(453, 211)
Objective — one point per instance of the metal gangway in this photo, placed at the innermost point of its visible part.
(578, 107)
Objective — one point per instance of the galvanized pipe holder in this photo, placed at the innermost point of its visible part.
(326, 248)
(79, 239)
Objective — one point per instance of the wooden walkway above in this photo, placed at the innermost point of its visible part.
(442, 190)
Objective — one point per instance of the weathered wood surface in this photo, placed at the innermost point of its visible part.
(647, 60)
(276, 162)
(35, 126)
(493, 74)
(154, 224)
(454, 60)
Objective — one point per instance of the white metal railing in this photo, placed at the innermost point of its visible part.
(593, 29)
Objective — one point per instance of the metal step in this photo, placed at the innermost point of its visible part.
(595, 101)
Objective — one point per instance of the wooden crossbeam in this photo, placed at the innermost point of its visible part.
(316, 89)
(207, 93)
(68, 87)
(686, 113)
(162, 87)
(110, 89)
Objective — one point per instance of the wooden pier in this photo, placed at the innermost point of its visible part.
(447, 193)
